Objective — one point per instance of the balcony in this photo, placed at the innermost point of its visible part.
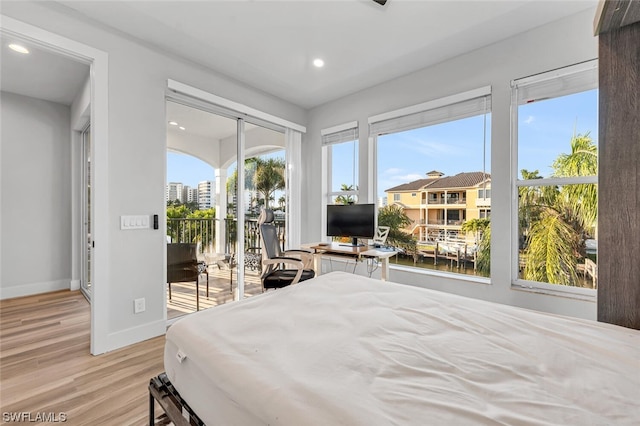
(447, 201)
(456, 200)
(483, 202)
(442, 222)
(222, 277)
(222, 286)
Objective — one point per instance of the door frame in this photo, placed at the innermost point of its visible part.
(99, 119)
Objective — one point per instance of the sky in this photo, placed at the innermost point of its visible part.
(545, 131)
(187, 169)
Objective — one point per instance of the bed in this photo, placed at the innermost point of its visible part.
(341, 349)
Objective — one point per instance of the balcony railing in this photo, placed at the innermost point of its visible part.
(204, 231)
(441, 222)
(183, 230)
(448, 200)
(251, 234)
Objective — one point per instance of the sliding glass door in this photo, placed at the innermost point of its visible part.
(200, 145)
(213, 203)
(263, 187)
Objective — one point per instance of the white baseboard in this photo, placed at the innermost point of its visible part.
(75, 285)
(137, 334)
(29, 289)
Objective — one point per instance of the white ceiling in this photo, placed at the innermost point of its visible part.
(40, 74)
(270, 44)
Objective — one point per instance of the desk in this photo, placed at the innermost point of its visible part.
(357, 253)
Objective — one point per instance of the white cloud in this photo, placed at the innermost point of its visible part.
(407, 178)
(530, 119)
(392, 171)
(431, 148)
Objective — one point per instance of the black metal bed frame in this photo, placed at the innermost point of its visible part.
(175, 408)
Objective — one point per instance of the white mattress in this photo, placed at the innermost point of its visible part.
(346, 350)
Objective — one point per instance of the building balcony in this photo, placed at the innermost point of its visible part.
(442, 222)
(447, 201)
(483, 202)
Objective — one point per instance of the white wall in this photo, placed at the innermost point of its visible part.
(36, 196)
(555, 45)
(137, 161)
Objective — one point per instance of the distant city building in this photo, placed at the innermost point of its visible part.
(382, 202)
(191, 194)
(202, 195)
(438, 205)
(205, 195)
(174, 191)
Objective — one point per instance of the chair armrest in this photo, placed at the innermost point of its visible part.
(305, 255)
(296, 263)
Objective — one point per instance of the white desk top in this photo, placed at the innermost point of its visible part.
(342, 249)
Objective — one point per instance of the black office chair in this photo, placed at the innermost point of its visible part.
(274, 259)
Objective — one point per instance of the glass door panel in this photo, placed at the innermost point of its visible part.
(85, 282)
(200, 147)
(264, 189)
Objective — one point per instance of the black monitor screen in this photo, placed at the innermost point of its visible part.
(351, 220)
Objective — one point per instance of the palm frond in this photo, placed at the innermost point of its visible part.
(551, 251)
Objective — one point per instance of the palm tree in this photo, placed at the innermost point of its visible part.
(477, 226)
(263, 176)
(582, 161)
(560, 217)
(396, 219)
(482, 230)
(268, 177)
(345, 199)
(483, 260)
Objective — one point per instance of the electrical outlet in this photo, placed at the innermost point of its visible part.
(138, 306)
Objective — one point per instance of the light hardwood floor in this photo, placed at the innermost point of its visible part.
(45, 365)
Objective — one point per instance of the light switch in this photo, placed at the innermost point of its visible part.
(134, 222)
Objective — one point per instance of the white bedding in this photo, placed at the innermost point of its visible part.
(347, 350)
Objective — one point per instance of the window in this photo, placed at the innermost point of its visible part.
(452, 134)
(340, 149)
(555, 166)
(413, 194)
(484, 193)
(396, 197)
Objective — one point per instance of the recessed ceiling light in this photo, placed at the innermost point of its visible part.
(18, 48)
(181, 128)
(319, 63)
(173, 123)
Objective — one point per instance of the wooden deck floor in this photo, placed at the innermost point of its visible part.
(183, 295)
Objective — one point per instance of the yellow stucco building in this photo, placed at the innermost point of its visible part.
(438, 205)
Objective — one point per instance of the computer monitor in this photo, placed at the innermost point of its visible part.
(351, 220)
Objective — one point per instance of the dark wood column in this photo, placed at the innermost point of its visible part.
(619, 169)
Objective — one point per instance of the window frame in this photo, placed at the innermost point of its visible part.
(565, 90)
(462, 104)
(342, 133)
